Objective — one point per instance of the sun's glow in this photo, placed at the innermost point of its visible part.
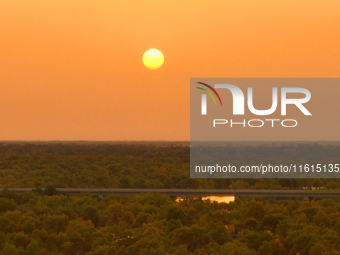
(153, 59)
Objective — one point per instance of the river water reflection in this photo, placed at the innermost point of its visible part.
(219, 199)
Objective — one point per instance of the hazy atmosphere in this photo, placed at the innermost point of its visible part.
(72, 70)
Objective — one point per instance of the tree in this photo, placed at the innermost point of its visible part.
(50, 190)
(6, 204)
(56, 223)
(271, 221)
(194, 237)
(255, 239)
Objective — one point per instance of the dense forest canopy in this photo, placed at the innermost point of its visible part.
(152, 224)
(41, 223)
(144, 165)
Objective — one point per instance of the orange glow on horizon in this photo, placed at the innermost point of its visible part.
(71, 70)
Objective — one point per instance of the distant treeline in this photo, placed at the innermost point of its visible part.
(145, 165)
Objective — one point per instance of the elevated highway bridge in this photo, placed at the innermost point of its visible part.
(100, 193)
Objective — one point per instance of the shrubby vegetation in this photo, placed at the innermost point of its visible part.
(139, 165)
(154, 224)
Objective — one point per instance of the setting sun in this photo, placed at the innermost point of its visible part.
(153, 59)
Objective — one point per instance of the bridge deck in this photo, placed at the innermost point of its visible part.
(193, 192)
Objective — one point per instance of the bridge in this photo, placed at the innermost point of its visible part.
(100, 193)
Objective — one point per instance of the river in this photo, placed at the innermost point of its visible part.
(219, 199)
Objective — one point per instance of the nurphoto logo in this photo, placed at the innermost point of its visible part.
(238, 99)
(263, 128)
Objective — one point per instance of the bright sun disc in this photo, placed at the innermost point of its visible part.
(153, 59)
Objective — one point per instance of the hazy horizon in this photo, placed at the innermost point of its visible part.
(73, 70)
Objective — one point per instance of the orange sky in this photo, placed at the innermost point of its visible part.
(72, 70)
